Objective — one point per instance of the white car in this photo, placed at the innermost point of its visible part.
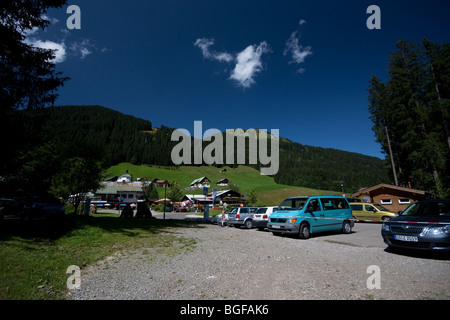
(261, 217)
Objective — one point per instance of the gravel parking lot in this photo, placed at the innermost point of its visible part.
(230, 263)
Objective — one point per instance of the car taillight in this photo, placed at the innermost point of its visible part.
(238, 216)
(265, 216)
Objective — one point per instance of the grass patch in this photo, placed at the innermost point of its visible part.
(35, 255)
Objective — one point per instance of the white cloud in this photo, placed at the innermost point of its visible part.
(297, 52)
(82, 49)
(62, 51)
(30, 32)
(65, 48)
(204, 45)
(59, 48)
(51, 20)
(301, 22)
(249, 64)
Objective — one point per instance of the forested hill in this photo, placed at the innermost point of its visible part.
(326, 169)
(117, 137)
(123, 138)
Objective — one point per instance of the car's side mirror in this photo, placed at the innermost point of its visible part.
(400, 213)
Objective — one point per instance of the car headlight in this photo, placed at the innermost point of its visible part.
(439, 230)
(385, 227)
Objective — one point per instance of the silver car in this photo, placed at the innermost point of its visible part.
(241, 216)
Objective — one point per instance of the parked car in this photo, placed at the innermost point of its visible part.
(261, 217)
(241, 216)
(221, 218)
(304, 216)
(45, 207)
(424, 225)
(371, 211)
(10, 208)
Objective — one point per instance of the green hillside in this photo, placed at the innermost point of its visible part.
(246, 178)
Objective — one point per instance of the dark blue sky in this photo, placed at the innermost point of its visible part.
(302, 67)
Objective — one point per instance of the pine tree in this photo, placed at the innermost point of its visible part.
(377, 107)
(27, 76)
(410, 115)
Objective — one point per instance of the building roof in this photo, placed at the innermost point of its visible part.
(194, 198)
(114, 188)
(221, 193)
(199, 180)
(387, 186)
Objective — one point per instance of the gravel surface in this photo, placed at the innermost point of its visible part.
(227, 263)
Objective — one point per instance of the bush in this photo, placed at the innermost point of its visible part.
(143, 211)
(127, 212)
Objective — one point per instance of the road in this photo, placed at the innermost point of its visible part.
(365, 234)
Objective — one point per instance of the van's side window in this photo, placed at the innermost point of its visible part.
(341, 203)
(333, 204)
(314, 205)
(327, 204)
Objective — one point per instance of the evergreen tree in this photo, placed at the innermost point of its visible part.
(410, 115)
(28, 77)
(252, 198)
(174, 193)
(28, 80)
(377, 104)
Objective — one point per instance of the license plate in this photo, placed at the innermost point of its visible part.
(406, 238)
(275, 226)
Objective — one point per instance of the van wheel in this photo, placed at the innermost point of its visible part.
(346, 227)
(304, 231)
(249, 224)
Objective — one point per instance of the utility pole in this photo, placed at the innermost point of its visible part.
(165, 198)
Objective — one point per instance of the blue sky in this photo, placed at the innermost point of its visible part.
(302, 67)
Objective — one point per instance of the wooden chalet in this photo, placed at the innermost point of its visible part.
(393, 198)
(201, 182)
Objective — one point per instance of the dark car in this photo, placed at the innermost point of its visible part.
(46, 207)
(9, 208)
(425, 225)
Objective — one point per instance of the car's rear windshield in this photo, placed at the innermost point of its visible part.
(428, 209)
(261, 210)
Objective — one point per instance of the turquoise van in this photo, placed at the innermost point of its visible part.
(304, 216)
